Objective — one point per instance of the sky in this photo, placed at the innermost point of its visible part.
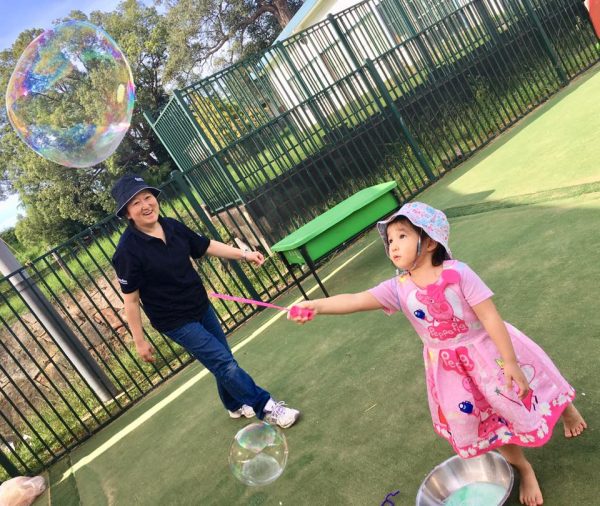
(19, 15)
(8, 212)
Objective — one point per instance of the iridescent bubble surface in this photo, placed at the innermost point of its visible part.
(71, 95)
(258, 454)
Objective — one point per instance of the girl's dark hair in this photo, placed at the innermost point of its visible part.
(439, 253)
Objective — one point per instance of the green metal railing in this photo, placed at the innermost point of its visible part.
(402, 87)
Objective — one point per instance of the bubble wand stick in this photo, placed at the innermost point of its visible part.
(295, 311)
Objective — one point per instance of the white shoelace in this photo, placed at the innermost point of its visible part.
(278, 409)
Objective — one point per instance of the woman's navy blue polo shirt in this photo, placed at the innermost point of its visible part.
(170, 288)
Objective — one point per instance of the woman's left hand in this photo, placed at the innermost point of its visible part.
(256, 257)
(512, 372)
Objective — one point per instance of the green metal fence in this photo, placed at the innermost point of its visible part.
(387, 88)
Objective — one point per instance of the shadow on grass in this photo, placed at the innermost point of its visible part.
(520, 200)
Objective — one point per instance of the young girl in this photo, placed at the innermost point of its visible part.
(489, 386)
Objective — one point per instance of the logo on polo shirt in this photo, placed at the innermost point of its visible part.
(139, 179)
(122, 281)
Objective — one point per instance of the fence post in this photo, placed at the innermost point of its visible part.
(483, 12)
(207, 143)
(416, 37)
(390, 103)
(182, 182)
(40, 306)
(198, 129)
(343, 39)
(383, 91)
(8, 466)
(163, 141)
(548, 47)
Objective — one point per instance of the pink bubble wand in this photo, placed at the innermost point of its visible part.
(295, 311)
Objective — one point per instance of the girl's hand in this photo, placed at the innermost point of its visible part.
(512, 372)
(303, 316)
(256, 257)
(145, 351)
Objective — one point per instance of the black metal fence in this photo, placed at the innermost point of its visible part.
(67, 364)
(388, 89)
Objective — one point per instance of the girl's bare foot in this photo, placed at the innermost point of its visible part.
(530, 493)
(573, 421)
(529, 490)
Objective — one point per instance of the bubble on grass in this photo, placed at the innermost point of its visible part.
(258, 454)
(70, 97)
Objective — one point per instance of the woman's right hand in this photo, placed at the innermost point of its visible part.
(256, 257)
(302, 312)
(145, 351)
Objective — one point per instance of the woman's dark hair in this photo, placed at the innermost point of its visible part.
(439, 253)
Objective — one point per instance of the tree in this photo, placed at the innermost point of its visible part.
(161, 50)
(142, 35)
(61, 201)
(216, 33)
(8, 60)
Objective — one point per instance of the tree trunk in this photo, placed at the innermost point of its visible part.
(282, 12)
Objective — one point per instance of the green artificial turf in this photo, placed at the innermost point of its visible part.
(525, 215)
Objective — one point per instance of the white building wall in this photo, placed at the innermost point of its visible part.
(312, 61)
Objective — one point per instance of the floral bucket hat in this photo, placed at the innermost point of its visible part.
(433, 222)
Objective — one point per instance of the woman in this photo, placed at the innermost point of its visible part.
(153, 265)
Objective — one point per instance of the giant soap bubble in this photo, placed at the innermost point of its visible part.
(70, 97)
(258, 454)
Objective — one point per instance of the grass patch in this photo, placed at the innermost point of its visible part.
(523, 200)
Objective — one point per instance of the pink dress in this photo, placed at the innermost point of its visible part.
(469, 402)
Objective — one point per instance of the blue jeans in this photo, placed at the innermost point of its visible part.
(206, 341)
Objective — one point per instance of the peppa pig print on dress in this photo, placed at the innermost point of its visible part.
(469, 402)
(443, 323)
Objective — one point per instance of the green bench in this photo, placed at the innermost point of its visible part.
(333, 228)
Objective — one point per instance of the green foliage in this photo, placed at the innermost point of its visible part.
(141, 34)
(60, 202)
(212, 34)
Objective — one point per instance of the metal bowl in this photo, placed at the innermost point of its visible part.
(456, 473)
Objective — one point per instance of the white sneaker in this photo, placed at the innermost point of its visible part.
(278, 414)
(245, 411)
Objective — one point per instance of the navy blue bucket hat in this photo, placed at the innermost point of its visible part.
(128, 187)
